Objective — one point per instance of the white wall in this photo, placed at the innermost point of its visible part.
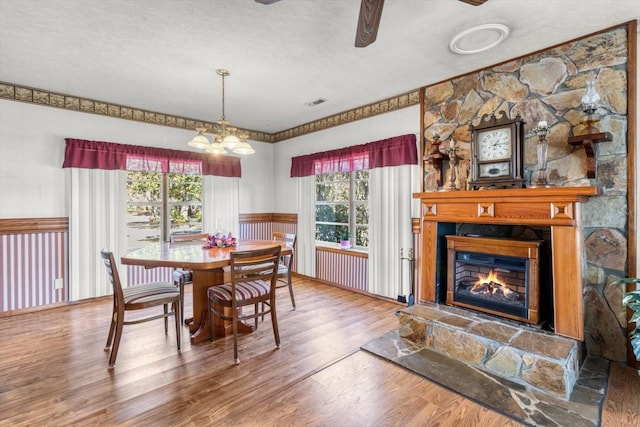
(399, 122)
(32, 181)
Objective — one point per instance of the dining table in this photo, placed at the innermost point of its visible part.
(208, 266)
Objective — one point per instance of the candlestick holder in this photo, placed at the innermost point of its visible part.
(542, 148)
(453, 161)
(435, 157)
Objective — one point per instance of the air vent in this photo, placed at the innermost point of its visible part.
(316, 102)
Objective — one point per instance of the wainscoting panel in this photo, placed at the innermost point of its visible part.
(341, 267)
(30, 263)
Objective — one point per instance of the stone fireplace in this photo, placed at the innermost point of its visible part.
(496, 276)
(464, 326)
(557, 208)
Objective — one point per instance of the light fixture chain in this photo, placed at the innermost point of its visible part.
(223, 117)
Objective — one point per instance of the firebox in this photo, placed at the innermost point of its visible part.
(495, 275)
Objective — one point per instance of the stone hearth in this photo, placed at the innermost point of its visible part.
(523, 404)
(519, 353)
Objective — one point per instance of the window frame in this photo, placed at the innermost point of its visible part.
(351, 209)
(165, 205)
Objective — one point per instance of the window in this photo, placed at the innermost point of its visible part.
(342, 205)
(152, 194)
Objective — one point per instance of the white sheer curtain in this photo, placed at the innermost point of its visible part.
(221, 204)
(97, 218)
(306, 245)
(390, 201)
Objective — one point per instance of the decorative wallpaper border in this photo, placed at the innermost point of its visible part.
(69, 102)
(386, 105)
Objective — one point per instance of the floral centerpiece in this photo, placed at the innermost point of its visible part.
(220, 240)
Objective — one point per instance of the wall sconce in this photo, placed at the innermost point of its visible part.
(590, 104)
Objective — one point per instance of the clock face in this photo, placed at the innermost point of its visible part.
(493, 170)
(494, 144)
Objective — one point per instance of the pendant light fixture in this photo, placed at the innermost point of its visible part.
(226, 138)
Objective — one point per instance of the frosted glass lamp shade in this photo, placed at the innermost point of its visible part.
(243, 148)
(199, 141)
(230, 141)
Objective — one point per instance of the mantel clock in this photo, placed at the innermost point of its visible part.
(497, 153)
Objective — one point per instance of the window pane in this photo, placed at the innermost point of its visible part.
(362, 175)
(144, 210)
(326, 232)
(185, 188)
(337, 196)
(361, 190)
(332, 213)
(362, 214)
(185, 201)
(362, 236)
(337, 192)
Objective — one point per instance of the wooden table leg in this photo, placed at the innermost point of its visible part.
(199, 327)
(202, 280)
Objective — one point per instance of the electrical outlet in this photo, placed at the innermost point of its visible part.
(58, 283)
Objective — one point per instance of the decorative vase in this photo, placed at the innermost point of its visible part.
(345, 244)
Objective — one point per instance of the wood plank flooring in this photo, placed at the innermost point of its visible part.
(53, 371)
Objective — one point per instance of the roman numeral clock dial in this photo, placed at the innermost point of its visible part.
(496, 153)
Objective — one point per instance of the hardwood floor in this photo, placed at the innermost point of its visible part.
(54, 372)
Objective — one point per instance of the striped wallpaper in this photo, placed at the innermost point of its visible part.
(137, 274)
(32, 257)
(29, 265)
(343, 268)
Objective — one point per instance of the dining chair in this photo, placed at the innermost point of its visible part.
(183, 276)
(137, 297)
(286, 263)
(249, 285)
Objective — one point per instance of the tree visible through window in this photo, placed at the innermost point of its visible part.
(342, 206)
(150, 195)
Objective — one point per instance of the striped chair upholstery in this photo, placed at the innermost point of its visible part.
(253, 281)
(244, 290)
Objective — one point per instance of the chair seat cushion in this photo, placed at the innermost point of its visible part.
(149, 292)
(185, 275)
(244, 290)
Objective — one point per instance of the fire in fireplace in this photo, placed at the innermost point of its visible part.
(493, 275)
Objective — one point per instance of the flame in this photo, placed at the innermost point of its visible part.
(496, 285)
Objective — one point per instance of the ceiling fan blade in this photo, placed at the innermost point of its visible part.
(368, 22)
(266, 1)
(471, 2)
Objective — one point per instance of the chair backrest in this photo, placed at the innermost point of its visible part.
(185, 238)
(112, 274)
(290, 240)
(255, 264)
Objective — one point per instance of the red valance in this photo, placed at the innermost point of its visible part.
(80, 153)
(399, 150)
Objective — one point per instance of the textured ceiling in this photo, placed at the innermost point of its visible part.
(161, 55)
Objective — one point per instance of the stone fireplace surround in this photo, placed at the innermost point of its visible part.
(557, 208)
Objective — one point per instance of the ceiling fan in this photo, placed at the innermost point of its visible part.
(369, 19)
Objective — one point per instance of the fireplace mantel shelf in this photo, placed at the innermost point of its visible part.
(556, 207)
(526, 206)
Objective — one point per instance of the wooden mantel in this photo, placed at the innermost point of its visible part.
(558, 208)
